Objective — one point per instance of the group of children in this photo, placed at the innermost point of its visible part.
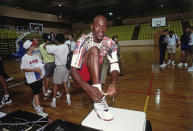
(170, 41)
(42, 63)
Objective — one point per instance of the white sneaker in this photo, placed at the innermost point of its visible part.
(169, 62)
(102, 110)
(190, 68)
(48, 91)
(53, 104)
(173, 63)
(180, 64)
(162, 66)
(186, 64)
(46, 96)
(58, 94)
(40, 112)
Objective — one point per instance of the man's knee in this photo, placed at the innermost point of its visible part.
(94, 51)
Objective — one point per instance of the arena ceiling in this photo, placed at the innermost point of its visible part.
(84, 10)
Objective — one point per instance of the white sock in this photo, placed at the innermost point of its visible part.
(68, 96)
(98, 86)
(7, 95)
(45, 94)
(53, 99)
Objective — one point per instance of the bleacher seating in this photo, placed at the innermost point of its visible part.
(147, 31)
(123, 32)
(7, 42)
(8, 39)
(191, 22)
(35, 35)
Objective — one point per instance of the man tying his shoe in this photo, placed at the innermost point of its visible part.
(86, 64)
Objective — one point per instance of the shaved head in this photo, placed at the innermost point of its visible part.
(99, 26)
(99, 17)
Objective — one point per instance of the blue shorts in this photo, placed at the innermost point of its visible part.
(184, 47)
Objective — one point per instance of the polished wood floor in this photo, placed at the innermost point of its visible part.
(165, 95)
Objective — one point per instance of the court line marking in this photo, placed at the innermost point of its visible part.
(149, 91)
(151, 79)
(16, 84)
(154, 93)
(146, 103)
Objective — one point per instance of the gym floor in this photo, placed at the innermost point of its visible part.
(166, 95)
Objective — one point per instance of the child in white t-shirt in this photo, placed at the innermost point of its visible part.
(34, 72)
(61, 73)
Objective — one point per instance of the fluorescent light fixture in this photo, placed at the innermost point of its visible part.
(110, 13)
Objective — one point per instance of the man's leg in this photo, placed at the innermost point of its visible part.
(46, 84)
(161, 51)
(183, 56)
(6, 99)
(93, 65)
(169, 57)
(4, 85)
(3, 70)
(53, 103)
(67, 93)
(104, 73)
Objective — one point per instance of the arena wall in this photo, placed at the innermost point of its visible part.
(32, 15)
(137, 43)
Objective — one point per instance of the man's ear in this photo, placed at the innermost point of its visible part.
(91, 27)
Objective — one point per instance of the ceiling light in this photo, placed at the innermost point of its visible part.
(60, 5)
(110, 13)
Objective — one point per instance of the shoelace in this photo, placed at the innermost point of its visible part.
(104, 104)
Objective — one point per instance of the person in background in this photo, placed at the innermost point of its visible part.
(6, 98)
(34, 72)
(7, 78)
(91, 49)
(48, 60)
(71, 46)
(61, 73)
(162, 48)
(70, 42)
(184, 47)
(191, 49)
(37, 50)
(116, 40)
(172, 40)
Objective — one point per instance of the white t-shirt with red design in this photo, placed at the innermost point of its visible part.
(107, 47)
(31, 62)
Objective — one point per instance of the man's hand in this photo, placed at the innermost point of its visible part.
(94, 93)
(38, 70)
(112, 90)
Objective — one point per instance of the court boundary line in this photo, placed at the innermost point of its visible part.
(16, 84)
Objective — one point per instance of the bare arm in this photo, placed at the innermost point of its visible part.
(114, 76)
(32, 70)
(112, 90)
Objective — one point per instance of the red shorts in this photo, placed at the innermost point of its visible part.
(84, 73)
